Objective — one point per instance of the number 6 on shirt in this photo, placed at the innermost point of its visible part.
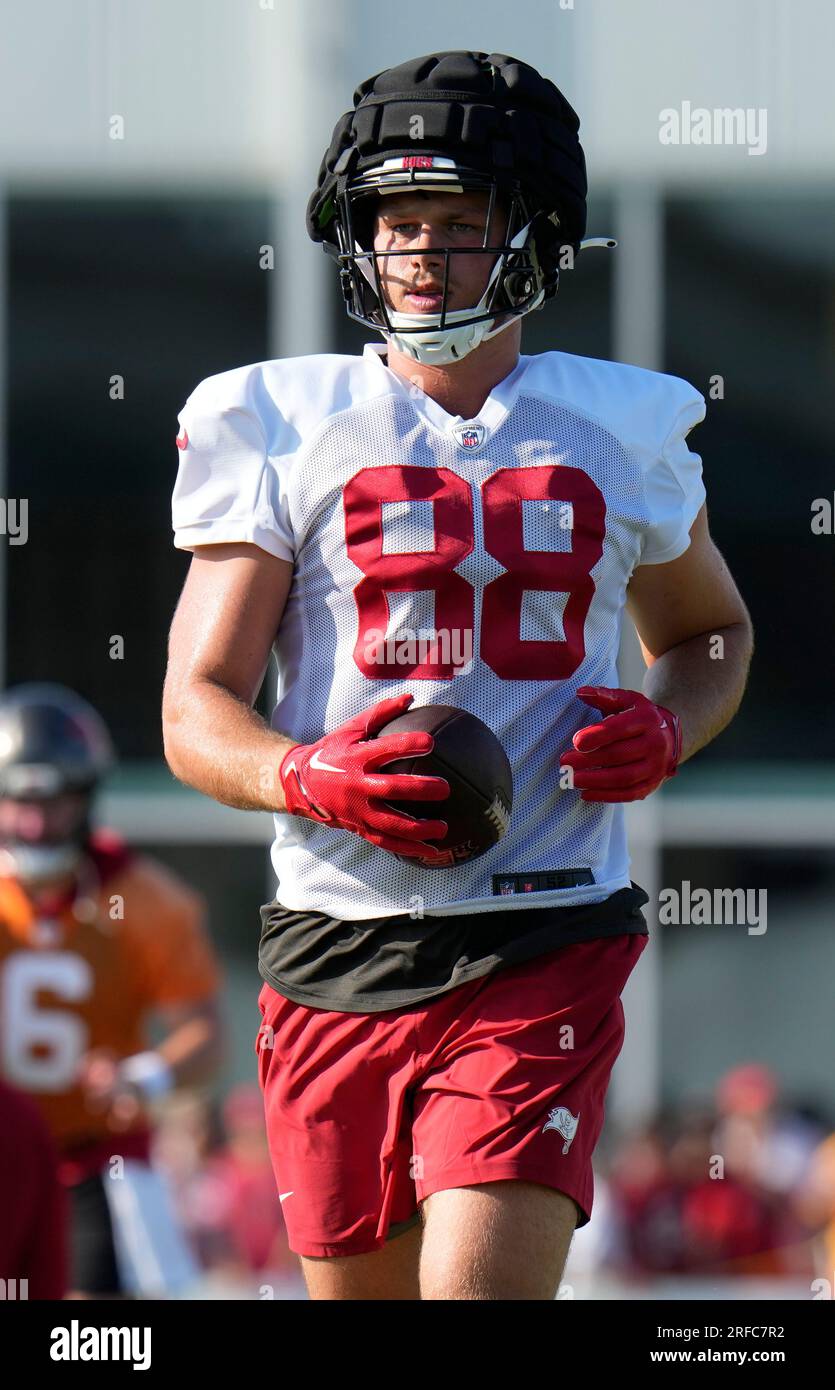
(502, 495)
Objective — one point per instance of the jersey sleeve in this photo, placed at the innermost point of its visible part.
(228, 488)
(168, 941)
(675, 491)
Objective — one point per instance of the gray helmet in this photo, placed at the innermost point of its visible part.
(51, 741)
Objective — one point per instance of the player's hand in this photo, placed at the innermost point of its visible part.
(335, 781)
(629, 753)
(106, 1092)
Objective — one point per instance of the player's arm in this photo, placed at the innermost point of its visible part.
(220, 642)
(696, 636)
(192, 1045)
(171, 959)
(697, 640)
(219, 648)
(189, 1053)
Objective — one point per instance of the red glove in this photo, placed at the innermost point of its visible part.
(630, 753)
(335, 781)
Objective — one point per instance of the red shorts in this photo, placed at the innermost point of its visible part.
(502, 1077)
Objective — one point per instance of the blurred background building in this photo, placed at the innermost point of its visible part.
(155, 162)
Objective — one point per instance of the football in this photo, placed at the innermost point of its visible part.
(473, 761)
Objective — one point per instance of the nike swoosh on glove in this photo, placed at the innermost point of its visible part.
(627, 755)
(335, 781)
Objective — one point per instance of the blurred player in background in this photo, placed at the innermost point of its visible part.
(438, 1041)
(96, 941)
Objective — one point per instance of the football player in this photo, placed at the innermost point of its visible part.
(437, 1042)
(95, 941)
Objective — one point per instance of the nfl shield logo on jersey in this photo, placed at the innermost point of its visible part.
(562, 1120)
(470, 436)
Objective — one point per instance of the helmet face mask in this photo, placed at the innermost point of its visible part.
(42, 838)
(514, 286)
(37, 866)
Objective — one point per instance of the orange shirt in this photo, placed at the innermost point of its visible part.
(132, 939)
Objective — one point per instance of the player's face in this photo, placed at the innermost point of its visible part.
(420, 224)
(41, 821)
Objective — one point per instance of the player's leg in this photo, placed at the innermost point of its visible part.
(338, 1118)
(503, 1240)
(507, 1115)
(93, 1270)
(124, 1239)
(390, 1273)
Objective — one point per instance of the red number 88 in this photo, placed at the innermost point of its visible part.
(503, 493)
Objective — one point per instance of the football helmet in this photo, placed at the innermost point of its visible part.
(454, 122)
(51, 741)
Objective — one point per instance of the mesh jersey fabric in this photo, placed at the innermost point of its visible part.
(477, 563)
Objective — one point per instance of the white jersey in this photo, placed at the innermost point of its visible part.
(479, 563)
